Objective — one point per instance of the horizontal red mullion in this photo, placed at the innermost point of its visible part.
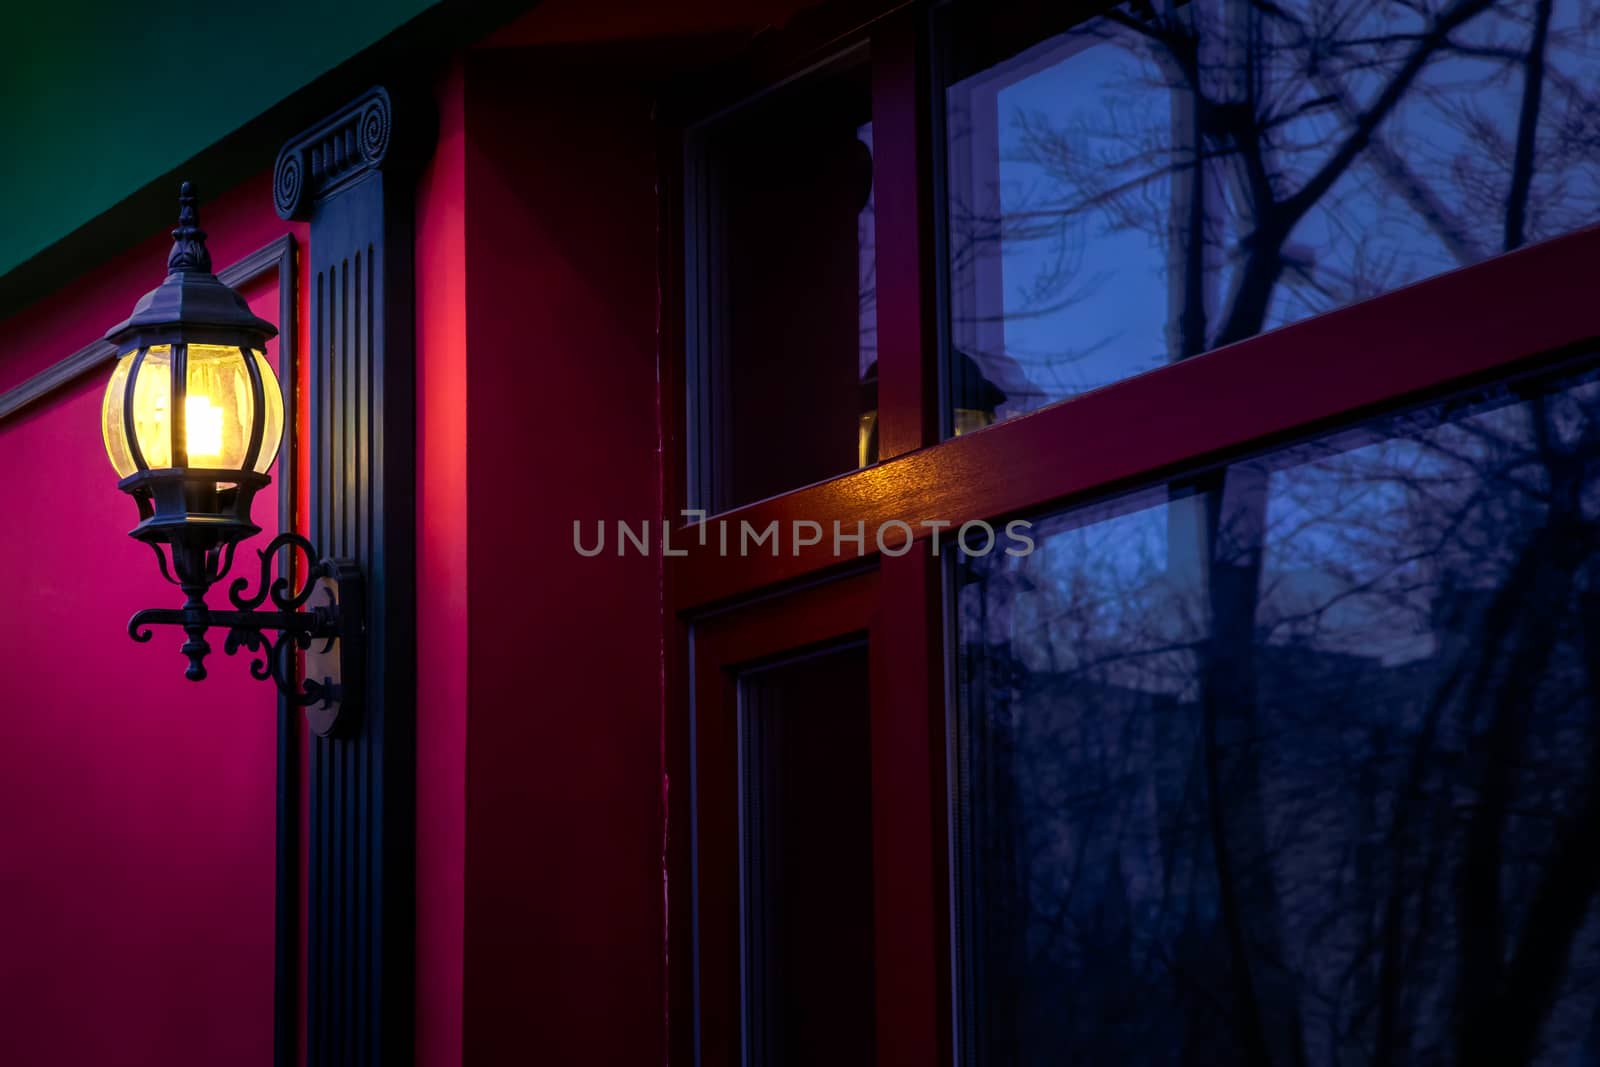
(1459, 325)
(805, 617)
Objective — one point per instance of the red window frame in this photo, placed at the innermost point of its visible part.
(1439, 335)
(906, 860)
(721, 645)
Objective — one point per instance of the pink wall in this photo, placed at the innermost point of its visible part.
(136, 845)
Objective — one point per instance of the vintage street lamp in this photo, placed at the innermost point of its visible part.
(192, 419)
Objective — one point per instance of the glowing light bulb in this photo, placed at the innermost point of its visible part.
(203, 428)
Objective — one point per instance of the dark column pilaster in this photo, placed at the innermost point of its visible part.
(350, 176)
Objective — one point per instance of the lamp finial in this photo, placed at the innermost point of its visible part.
(189, 251)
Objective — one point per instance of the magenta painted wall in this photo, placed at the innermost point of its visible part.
(136, 808)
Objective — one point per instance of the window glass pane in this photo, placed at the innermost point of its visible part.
(807, 853)
(1296, 764)
(1163, 180)
(782, 315)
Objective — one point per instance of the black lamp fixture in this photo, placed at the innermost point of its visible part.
(193, 417)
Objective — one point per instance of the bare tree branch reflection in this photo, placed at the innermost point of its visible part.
(1300, 766)
(1280, 158)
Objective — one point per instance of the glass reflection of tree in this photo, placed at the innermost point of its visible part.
(1282, 158)
(1372, 841)
(1311, 155)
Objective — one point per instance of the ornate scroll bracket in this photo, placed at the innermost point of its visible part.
(323, 619)
(333, 153)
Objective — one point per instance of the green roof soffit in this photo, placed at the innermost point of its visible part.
(98, 99)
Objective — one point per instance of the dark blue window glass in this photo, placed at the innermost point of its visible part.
(1296, 762)
(1166, 178)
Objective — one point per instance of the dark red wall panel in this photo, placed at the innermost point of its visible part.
(443, 627)
(564, 929)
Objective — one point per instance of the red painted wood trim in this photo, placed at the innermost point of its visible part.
(1434, 334)
(672, 357)
(677, 844)
(768, 628)
(907, 375)
(678, 1012)
(910, 874)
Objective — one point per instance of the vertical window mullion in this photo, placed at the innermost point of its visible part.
(908, 732)
(909, 811)
(907, 368)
